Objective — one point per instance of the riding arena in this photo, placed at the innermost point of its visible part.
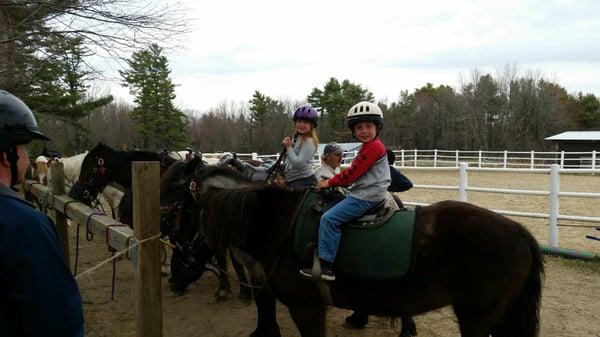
(117, 267)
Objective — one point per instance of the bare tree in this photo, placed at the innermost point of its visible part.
(115, 26)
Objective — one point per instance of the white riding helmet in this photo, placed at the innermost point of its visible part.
(365, 112)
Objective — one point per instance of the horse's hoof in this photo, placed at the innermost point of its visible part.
(356, 321)
(221, 295)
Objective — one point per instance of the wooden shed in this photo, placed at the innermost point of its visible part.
(576, 141)
(582, 148)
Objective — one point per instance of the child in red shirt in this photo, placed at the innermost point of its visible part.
(370, 175)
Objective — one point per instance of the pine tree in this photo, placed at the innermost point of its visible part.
(334, 101)
(259, 108)
(160, 123)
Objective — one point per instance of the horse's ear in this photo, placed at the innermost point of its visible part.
(191, 166)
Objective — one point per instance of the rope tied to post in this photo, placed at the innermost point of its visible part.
(117, 254)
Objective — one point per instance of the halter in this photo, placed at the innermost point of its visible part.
(89, 187)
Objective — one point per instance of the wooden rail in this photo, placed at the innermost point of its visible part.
(146, 204)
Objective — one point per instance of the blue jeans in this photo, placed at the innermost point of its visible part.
(330, 228)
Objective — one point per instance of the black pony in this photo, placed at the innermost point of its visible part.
(488, 267)
(104, 165)
(179, 214)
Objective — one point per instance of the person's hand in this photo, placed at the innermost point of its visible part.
(323, 184)
(287, 142)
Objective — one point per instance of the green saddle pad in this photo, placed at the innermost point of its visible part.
(380, 253)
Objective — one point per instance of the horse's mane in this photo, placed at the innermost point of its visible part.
(212, 171)
(233, 216)
(171, 174)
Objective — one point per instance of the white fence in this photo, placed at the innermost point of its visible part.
(528, 160)
(497, 159)
(553, 193)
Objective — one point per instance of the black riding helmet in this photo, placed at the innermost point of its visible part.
(17, 126)
(17, 123)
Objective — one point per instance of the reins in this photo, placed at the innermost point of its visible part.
(275, 166)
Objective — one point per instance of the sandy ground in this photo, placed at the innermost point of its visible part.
(570, 304)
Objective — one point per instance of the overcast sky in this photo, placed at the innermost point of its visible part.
(286, 48)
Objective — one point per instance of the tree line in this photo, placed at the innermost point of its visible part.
(487, 113)
(44, 61)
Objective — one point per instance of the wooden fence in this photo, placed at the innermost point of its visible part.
(143, 242)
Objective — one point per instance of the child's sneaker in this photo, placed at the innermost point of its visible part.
(327, 273)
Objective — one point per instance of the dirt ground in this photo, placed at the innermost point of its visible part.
(570, 303)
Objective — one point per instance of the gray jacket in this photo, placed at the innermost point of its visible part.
(372, 186)
(298, 158)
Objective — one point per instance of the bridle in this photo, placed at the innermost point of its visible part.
(90, 188)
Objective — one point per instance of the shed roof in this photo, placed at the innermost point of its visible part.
(576, 135)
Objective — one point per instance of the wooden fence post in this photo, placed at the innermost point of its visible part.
(146, 215)
(58, 188)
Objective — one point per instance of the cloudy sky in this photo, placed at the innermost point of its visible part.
(286, 48)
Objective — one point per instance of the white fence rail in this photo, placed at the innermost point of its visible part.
(553, 194)
(529, 160)
(498, 159)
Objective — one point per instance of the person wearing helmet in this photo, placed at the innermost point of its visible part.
(330, 162)
(370, 175)
(300, 149)
(39, 296)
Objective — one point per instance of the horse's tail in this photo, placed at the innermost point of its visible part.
(523, 317)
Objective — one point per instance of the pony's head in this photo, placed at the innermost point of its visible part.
(176, 189)
(189, 258)
(94, 174)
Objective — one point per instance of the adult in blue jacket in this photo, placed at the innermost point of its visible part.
(38, 294)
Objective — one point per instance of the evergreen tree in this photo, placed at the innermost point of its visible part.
(63, 90)
(590, 113)
(160, 123)
(259, 108)
(334, 100)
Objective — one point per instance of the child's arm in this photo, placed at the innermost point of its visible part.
(367, 156)
(306, 153)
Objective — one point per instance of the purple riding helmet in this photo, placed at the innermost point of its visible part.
(308, 113)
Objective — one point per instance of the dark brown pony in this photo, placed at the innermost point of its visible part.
(487, 267)
(179, 215)
(103, 165)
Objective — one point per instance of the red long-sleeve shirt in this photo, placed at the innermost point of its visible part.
(369, 153)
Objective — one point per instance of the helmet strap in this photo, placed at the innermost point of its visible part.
(13, 158)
